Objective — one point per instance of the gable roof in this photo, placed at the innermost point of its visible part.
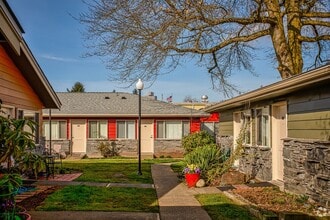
(12, 41)
(283, 87)
(117, 104)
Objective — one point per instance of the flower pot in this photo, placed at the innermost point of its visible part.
(191, 179)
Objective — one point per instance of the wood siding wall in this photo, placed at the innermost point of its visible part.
(309, 114)
(226, 128)
(314, 125)
(14, 89)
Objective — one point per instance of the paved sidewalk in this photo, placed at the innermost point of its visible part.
(176, 200)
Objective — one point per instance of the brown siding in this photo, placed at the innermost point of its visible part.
(314, 125)
(14, 89)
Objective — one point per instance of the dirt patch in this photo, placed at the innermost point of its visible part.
(33, 202)
(274, 200)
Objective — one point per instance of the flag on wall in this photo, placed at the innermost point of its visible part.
(169, 99)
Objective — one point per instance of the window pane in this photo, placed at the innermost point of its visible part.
(160, 129)
(246, 117)
(186, 128)
(55, 130)
(263, 126)
(46, 129)
(103, 129)
(130, 130)
(92, 129)
(173, 130)
(63, 130)
(120, 129)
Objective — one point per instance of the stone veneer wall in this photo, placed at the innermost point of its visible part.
(256, 162)
(65, 145)
(307, 168)
(125, 147)
(167, 148)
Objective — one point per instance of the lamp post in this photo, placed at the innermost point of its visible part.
(139, 87)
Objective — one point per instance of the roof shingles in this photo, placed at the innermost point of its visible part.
(118, 104)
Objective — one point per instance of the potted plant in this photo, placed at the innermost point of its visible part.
(15, 142)
(9, 185)
(192, 174)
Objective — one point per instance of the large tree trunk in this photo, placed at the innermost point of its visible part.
(282, 50)
(294, 28)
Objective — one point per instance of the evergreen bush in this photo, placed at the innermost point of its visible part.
(197, 139)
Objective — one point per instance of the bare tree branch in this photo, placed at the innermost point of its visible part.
(146, 38)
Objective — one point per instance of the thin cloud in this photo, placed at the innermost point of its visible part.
(61, 59)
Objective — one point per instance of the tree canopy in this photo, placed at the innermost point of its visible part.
(145, 38)
(77, 87)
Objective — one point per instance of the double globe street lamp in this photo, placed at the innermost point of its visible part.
(139, 86)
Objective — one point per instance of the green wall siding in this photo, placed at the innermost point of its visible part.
(226, 128)
(314, 125)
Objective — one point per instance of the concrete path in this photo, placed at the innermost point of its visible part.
(176, 200)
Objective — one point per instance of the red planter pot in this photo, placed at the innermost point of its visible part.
(191, 179)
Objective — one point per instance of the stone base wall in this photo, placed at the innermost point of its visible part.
(256, 162)
(162, 148)
(63, 145)
(307, 168)
(124, 147)
(168, 148)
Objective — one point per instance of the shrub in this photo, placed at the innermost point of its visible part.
(205, 157)
(108, 149)
(197, 139)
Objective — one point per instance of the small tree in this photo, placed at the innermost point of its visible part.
(77, 87)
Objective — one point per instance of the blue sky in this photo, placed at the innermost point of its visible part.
(55, 39)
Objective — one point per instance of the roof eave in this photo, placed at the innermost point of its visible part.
(124, 115)
(277, 89)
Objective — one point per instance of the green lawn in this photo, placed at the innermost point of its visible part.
(218, 206)
(91, 198)
(88, 198)
(112, 170)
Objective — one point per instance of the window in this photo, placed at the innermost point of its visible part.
(172, 129)
(262, 127)
(59, 130)
(246, 120)
(126, 129)
(97, 129)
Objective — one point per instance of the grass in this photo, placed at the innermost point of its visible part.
(88, 198)
(113, 170)
(91, 198)
(218, 206)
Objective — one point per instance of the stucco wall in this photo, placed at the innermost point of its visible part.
(307, 168)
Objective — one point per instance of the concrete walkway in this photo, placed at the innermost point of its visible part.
(176, 200)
